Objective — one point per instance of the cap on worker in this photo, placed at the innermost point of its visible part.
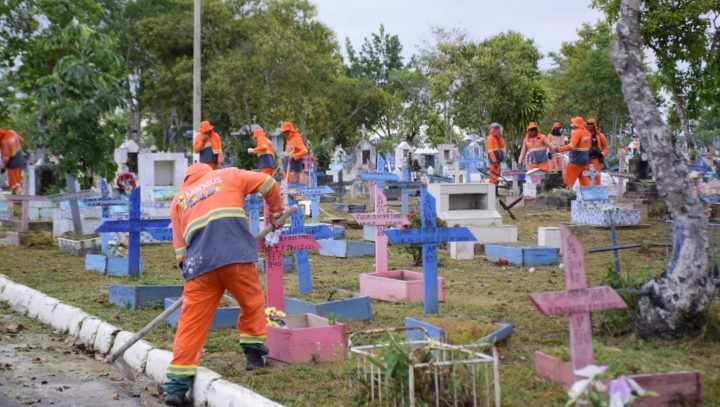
(557, 125)
(578, 122)
(205, 127)
(495, 126)
(287, 126)
(592, 121)
(258, 132)
(196, 168)
(532, 125)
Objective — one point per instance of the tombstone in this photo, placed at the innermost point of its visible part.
(593, 206)
(73, 196)
(471, 161)
(134, 225)
(278, 141)
(364, 160)
(472, 206)
(403, 155)
(577, 302)
(302, 259)
(25, 200)
(126, 156)
(105, 202)
(160, 175)
(448, 159)
(337, 165)
(426, 156)
(429, 235)
(380, 219)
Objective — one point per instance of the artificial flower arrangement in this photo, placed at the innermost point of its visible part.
(621, 392)
(274, 317)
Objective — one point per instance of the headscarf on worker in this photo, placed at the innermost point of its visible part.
(208, 144)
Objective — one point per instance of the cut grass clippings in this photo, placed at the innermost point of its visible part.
(477, 289)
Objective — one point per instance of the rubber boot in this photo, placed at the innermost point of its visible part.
(254, 360)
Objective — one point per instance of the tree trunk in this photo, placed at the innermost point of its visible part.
(680, 110)
(678, 296)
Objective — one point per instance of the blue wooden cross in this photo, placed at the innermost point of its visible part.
(406, 185)
(471, 161)
(312, 191)
(390, 160)
(253, 205)
(134, 225)
(615, 248)
(302, 258)
(105, 202)
(380, 175)
(429, 235)
(341, 187)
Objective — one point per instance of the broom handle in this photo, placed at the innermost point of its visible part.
(163, 316)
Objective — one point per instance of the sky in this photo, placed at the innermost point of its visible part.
(548, 22)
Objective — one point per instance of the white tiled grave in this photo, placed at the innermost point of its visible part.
(473, 206)
(593, 206)
(160, 176)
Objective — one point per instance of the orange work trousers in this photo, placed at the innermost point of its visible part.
(201, 297)
(495, 173)
(598, 166)
(267, 170)
(15, 177)
(545, 166)
(293, 177)
(573, 172)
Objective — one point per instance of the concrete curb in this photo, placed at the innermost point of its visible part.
(209, 388)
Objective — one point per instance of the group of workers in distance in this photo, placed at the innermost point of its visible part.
(587, 146)
(208, 145)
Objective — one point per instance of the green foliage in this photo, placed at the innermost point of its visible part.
(583, 81)
(415, 250)
(617, 322)
(77, 96)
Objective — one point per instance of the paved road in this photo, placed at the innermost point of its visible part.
(38, 368)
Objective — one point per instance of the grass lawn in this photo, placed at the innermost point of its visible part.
(473, 288)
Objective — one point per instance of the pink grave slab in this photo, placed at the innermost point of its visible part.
(397, 286)
(381, 219)
(307, 338)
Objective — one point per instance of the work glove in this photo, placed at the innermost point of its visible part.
(250, 150)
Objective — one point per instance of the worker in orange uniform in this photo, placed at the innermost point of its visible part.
(265, 152)
(209, 145)
(496, 152)
(295, 151)
(216, 251)
(13, 158)
(579, 148)
(534, 148)
(598, 149)
(557, 139)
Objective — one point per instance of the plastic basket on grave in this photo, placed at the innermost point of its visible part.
(439, 373)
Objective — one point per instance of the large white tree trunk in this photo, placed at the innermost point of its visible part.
(678, 297)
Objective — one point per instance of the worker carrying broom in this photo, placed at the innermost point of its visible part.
(216, 252)
(265, 152)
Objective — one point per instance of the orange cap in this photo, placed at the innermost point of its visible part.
(205, 127)
(592, 121)
(557, 125)
(578, 122)
(532, 125)
(287, 126)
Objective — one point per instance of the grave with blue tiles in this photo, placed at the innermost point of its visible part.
(134, 225)
(593, 206)
(98, 262)
(471, 161)
(429, 236)
(523, 255)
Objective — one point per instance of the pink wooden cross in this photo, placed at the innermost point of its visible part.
(25, 199)
(274, 263)
(577, 302)
(381, 219)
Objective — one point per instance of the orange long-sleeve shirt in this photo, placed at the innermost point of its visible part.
(209, 223)
(10, 144)
(495, 147)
